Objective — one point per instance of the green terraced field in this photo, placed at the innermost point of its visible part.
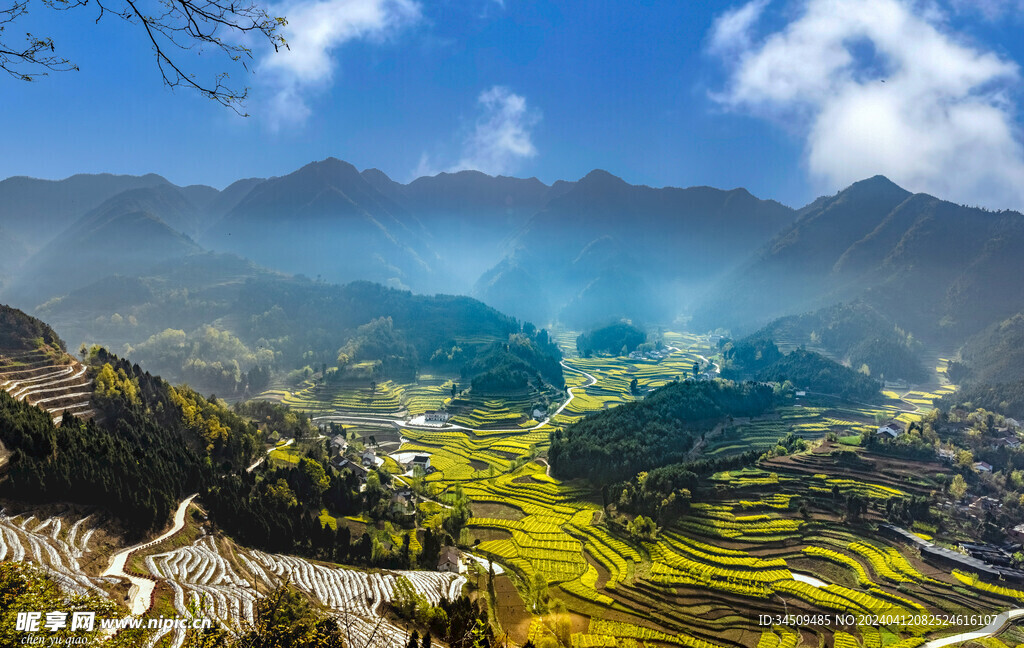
(388, 399)
(736, 552)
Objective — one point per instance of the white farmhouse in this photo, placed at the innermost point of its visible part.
(893, 429)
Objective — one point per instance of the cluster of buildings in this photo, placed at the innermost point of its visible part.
(659, 354)
(895, 429)
(963, 559)
(361, 463)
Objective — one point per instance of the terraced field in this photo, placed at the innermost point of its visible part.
(318, 398)
(395, 400)
(765, 543)
(57, 387)
(57, 544)
(215, 579)
(223, 583)
(704, 581)
(614, 375)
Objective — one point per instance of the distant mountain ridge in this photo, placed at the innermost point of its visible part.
(941, 270)
(579, 253)
(601, 237)
(126, 235)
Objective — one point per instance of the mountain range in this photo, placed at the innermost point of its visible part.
(940, 270)
(578, 253)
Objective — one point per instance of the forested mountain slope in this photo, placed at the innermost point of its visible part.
(939, 270)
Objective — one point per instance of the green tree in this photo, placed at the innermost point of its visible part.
(964, 459)
(958, 487)
(315, 475)
(25, 588)
(642, 527)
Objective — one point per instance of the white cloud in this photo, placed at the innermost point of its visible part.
(879, 86)
(500, 140)
(731, 31)
(316, 28)
(502, 137)
(990, 9)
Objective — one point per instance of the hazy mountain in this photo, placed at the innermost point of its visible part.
(468, 211)
(128, 234)
(609, 249)
(326, 220)
(12, 252)
(36, 211)
(940, 270)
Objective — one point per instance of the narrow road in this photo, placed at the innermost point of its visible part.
(142, 588)
(994, 628)
(269, 450)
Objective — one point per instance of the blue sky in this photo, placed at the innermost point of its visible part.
(785, 98)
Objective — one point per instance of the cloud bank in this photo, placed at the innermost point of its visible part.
(879, 86)
(316, 28)
(990, 9)
(500, 140)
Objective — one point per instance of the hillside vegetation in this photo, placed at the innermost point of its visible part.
(613, 445)
(21, 332)
(232, 326)
(156, 444)
(612, 339)
(814, 372)
(857, 333)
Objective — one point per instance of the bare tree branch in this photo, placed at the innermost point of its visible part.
(220, 26)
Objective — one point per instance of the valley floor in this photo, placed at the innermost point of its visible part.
(766, 543)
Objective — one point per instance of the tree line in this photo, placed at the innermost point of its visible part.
(616, 444)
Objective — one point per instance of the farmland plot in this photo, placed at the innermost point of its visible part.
(35, 378)
(54, 544)
(204, 580)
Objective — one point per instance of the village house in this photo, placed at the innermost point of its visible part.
(339, 444)
(369, 459)
(449, 561)
(1017, 533)
(341, 463)
(982, 466)
(421, 461)
(436, 417)
(403, 502)
(893, 429)
(1010, 442)
(946, 455)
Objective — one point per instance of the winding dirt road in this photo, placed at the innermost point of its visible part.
(140, 594)
(269, 450)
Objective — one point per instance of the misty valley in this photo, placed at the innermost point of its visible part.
(332, 409)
